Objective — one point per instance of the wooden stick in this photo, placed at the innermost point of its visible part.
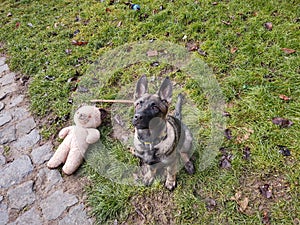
(113, 101)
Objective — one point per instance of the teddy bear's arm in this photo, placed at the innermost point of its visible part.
(93, 135)
(64, 132)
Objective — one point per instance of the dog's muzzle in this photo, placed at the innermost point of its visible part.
(140, 121)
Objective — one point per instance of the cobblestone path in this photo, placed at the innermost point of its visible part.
(30, 193)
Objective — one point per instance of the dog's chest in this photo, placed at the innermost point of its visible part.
(151, 154)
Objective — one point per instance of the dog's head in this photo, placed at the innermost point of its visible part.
(149, 107)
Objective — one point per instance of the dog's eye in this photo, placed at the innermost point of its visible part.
(154, 107)
(138, 104)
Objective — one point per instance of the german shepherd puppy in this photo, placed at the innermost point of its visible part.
(160, 140)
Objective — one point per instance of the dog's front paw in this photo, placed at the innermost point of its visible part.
(189, 167)
(170, 185)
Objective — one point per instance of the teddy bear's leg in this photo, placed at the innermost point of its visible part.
(59, 156)
(74, 160)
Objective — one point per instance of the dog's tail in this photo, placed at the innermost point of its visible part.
(178, 106)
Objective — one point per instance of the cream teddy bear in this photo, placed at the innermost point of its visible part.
(77, 139)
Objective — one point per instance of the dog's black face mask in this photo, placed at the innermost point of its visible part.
(151, 109)
(146, 109)
(147, 106)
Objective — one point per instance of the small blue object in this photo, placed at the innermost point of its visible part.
(135, 7)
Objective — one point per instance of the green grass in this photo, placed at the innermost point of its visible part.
(251, 79)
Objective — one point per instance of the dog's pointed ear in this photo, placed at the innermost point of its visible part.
(165, 91)
(141, 87)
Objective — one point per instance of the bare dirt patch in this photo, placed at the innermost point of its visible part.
(155, 208)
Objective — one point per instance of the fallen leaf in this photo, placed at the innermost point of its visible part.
(210, 204)
(288, 50)
(246, 136)
(18, 24)
(233, 50)
(77, 19)
(119, 24)
(192, 46)
(265, 191)
(152, 53)
(201, 52)
(284, 97)
(246, 153)
(49, 77)
(226, 161)
(228, 133)
(237, 195)
(215, 3)
(155, 11)
(284, 150)
(266, 218)
(243, 204)
(223, 150)
(282, 122)
(155, 64)
(226, 114)
(79, 43)
(226, 22)
(68, 51)
(76, 32)
(268, 26)
(107, 10)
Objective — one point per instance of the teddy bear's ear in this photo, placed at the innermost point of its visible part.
(103, 113)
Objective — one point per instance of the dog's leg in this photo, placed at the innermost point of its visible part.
(171, 177)
(185, 152)
(149, 175)
(188, 165)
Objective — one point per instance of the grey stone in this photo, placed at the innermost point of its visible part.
(30, 217)
(27, 141)
(7, 79)
(2, 61)
(25, 126)
(5, 117)
(2, 105)
(56, 204)
(47, 179)
(21, 196)
(4, 68)
(2, 94)
(3, 214)
(7, 134)
(76, 215)
(1, 198)
(42, 153)
(16, 100)
(2, 160)
(7, 89)
(20, 113)
(15, 171)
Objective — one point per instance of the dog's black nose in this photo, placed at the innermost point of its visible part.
(137, 118)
